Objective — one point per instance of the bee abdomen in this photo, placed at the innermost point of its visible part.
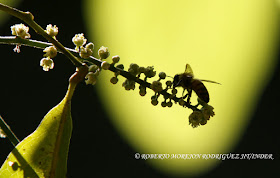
(200, 90)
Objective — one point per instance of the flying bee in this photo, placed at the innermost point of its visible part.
(189, 83)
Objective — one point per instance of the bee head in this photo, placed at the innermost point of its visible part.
(176, 81)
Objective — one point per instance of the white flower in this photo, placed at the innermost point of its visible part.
(52, 30)
(85, 52)
(79, 40)
(50, 51)
(20, 30)
(47, 64)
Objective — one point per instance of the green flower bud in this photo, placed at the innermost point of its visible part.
(142, 91)
(162, 75)
(174, 91)
(154, 102)
(163, 104)
(90, 46)
(116, 59)
(105, 65)
(93, 68)
(169, 104)
(114, 80)
(103, 52)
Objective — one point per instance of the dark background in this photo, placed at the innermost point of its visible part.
(97, 150)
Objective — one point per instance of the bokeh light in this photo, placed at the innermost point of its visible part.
(231, 42)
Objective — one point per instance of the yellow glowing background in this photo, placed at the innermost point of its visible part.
(3, 15)
(232, 42)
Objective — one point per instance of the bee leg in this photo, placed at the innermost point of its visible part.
(189, 95)
(183, 94)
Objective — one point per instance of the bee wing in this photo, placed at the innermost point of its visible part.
(188, 69)
(210, 81)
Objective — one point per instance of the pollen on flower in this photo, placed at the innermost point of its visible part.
(52, 30)
(47, 63)
(20, 30)
(79, 40)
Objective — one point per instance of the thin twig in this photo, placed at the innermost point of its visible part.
(8, 132)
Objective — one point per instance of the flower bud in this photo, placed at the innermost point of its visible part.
(105, 65)
(154, 102)
(116, 59)
(114, 80)
(162, 75)
(103, 52)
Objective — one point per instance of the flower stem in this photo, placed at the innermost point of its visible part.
(9, 133)
(12, 40)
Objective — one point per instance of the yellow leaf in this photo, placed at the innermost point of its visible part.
(44, 152)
